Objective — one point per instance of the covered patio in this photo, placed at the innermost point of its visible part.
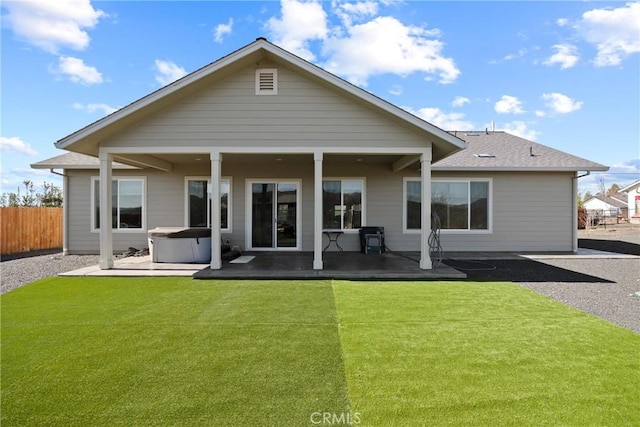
(285, 265)
(337, 265)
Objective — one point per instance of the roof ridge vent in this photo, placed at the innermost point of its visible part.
(485, 155)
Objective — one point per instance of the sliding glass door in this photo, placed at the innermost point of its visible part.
(274, 215)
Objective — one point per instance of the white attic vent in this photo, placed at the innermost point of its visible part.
(267, 81)
(485, 155)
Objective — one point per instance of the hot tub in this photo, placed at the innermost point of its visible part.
(180, 245)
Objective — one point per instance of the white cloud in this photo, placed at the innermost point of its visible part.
(519, 128)
(355, 12)
(396, 90)
(519, 54)
(385, 45)
(300, 23)
(92, 108)
(509, 105)
(52, 25)
(614, 32)
(222, 30)
(168, 72)
(540, 113)
(77, 71)
(560, 103)
(622, 173)
(16, 145)
(566, 56)
(442, 119)
(561, 22)
(629, 167)
(459, 101)
(361, 45)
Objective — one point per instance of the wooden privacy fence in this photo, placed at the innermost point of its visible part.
(30, 229)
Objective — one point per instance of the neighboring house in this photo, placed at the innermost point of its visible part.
(606, 206)
(633, 201)
(277, 150)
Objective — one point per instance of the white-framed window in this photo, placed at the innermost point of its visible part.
(462, 205)
(267, 81)
(128, 204)
(343, 201)
(198, 202)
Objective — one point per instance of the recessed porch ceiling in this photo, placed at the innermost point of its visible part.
(203, 158)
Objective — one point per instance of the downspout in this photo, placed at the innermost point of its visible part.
(574, 204)
(65, 210)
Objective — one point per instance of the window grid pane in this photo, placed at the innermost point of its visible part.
(129, 204)
(479, 206)
(197, 193)
(352, 204)
(414, 197)
(332, 205)
(199, 203)
(126, 203)
(342, 204)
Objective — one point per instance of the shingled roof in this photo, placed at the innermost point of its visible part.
(501, 151)
(75, 161)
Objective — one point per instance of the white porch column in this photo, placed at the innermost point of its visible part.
(216, 252)
(106, 207)
(317, 211)
(65, 212)
(425, 211)
(574, 211)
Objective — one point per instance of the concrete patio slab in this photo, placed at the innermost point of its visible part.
(138, 266)
(337, 265)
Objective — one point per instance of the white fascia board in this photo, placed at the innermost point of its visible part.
(436, 168)
(266, 150)
(630, 187)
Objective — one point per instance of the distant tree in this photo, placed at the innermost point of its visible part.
(587, 195)
(51, 197)
(579, 200)
(29, 199)
(10, 200)
(613, 189)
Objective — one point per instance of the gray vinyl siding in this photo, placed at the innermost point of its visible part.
(531, 212)
(303, 113)
(164, 198)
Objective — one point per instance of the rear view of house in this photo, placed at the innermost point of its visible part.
(273, 153)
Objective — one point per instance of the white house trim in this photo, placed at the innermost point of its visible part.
(266, 150)
(317, 207)
(425, 211)
(106, 232)
(216, 250)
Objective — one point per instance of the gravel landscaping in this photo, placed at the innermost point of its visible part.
(17, 272)
(601, 286)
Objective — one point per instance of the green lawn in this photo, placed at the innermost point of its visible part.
(174, 351)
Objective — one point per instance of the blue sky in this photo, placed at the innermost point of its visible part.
(565, 74)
